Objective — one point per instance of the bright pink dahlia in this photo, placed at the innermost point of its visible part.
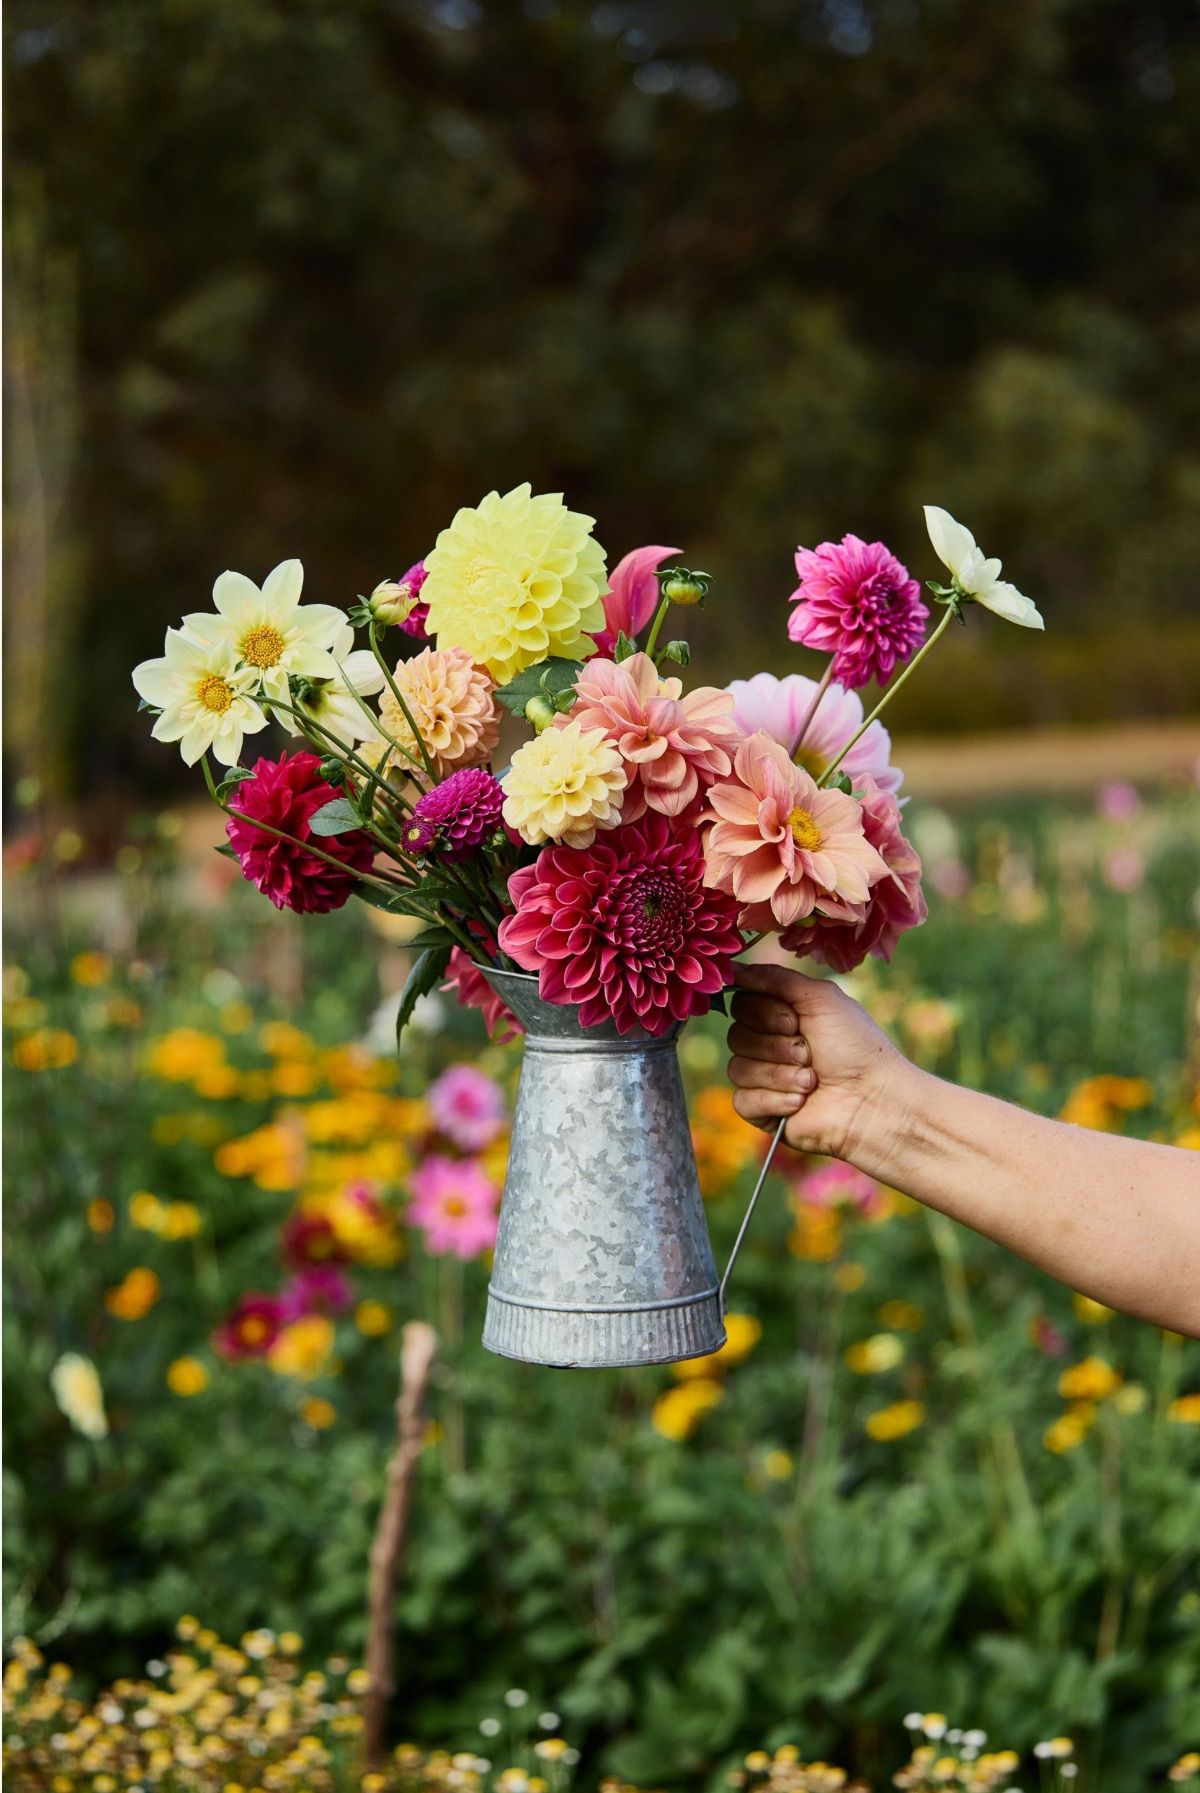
(625, 928)
(285, 793)
(857, 602)
(465, 977)
(317, 1289)
(467, 1107)
(418, 616)
(840, 1186)
(464, 810)
(633, 597)
(674, 745)
(456, 1204)
(894, 905)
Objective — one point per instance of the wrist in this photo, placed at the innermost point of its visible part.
(884, 1135)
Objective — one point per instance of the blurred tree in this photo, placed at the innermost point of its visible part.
(732, 275)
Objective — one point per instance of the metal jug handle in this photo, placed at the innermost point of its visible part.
(749, 1214)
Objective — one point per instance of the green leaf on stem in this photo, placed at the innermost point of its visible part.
(626, 647)
(840, 782)
(425, 975)
(235, 776)
(338, 817)
(550, 679)
(434, 937)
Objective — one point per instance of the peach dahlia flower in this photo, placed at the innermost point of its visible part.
(781, 845)
(450, 700)
(674, 745)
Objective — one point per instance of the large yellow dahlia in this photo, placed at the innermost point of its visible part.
(515, 581)
(563, 786)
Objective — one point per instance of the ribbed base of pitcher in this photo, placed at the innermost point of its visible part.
(603, 1338)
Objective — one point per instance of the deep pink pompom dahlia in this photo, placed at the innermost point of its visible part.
(895, 903)
(285, 793)
(857, 602)
(625, 928)
(463, 810)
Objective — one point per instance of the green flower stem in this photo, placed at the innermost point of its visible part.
(430, 768)
(951, 612)
(659, 620)
(352, 758)
(814, 706)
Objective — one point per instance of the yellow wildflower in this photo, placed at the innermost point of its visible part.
(1070, 1429)
(187, 1376)
(146, 1211)
(80, 1396)
(135, 1295)
(318, 1413)
(1185, 1411)
(303, 1349)
(901, 1316)
(777, 1465)
(1101, 1102)
(1187, 1767)
(282, 1040)
(1092, 1313)
(818, 1234)
(181, 1055)
(1130, 1398)
(724, 1143)
(515, 581)
(677, 1412)
(742, 1333)
(896, 1421)
(91, 969)
(47, 1049)
(849, 1277)
(101, 1216)
(373, 1318)
(871, 1357)
(272, 1155)
(1090, 1380)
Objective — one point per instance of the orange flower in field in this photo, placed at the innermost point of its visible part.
(896, 1421)
(1090, 1380)
(1102, 1102)
(724, 1143)
(135, 1296)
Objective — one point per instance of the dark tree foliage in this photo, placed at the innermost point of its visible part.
(736, 276)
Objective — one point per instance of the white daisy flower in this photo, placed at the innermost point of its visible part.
(331, 702)
(270, 631)
(956, 548)
(204, 697)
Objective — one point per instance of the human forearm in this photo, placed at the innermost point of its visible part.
(1118, 1219)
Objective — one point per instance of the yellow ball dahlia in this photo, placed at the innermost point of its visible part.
(450, 700)
(515, 581)
(564, 785)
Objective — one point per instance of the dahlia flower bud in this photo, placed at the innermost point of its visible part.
(391, 602)
(540, 713)
(683, 586)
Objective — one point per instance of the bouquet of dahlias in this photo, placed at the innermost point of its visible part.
(643, 835)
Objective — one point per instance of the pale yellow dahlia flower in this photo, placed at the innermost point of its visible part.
(450, 700)
(564, 785)
(516, 581)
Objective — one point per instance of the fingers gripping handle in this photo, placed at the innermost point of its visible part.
(749, 1214)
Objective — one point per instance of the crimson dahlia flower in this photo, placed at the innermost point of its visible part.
(285, 794)
(625, 928)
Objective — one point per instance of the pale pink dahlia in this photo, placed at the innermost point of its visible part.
(465, 977)
(467, 1107)
(285, 794)
(463, 811)
(857, 602)
(894, 905)
(455, 1204)
(674, 745)
(632, 598)
(625, 928)
(778, 708)
(781, 845)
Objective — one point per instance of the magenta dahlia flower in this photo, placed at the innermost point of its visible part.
(625, 928)
(251, 1328)
(418, 616)
(285, 793)
(857, 602)
(456, 1205)
(464, 809)
(894, 904)
(317, 1289)
(465, 977)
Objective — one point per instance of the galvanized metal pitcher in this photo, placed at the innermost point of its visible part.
(603, 1257)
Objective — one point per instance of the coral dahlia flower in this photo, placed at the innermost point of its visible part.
(450, 700)
(674, 745)
(779, 706)
(285, 794)
(516, 580)
(857, 602)
(781, 845)
(626, 928)
(894, 905)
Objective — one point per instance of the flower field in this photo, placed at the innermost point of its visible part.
(918, 1480)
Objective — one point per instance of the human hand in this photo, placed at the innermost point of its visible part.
(801, 1047)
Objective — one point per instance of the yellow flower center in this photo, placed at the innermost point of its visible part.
(454, 1206)
(804, 829)
(262, 647)
(214, 693)
(814, 763)
(480, 571)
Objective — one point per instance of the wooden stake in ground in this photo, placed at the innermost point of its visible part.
(387, 1547)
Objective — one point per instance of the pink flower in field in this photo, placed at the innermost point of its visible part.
(465, 977)
(894, 904)
(633, 596)
(467, 1107)
(782, 846)
(625, 928)
(252, 1327)
(456, 1205)
(857, 602)
(1125, 870)
(310, 1239)
(1117, 801)
(840, 1186)
(317, 1289)
(778, 707)
(674, 745)
(285, 794)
